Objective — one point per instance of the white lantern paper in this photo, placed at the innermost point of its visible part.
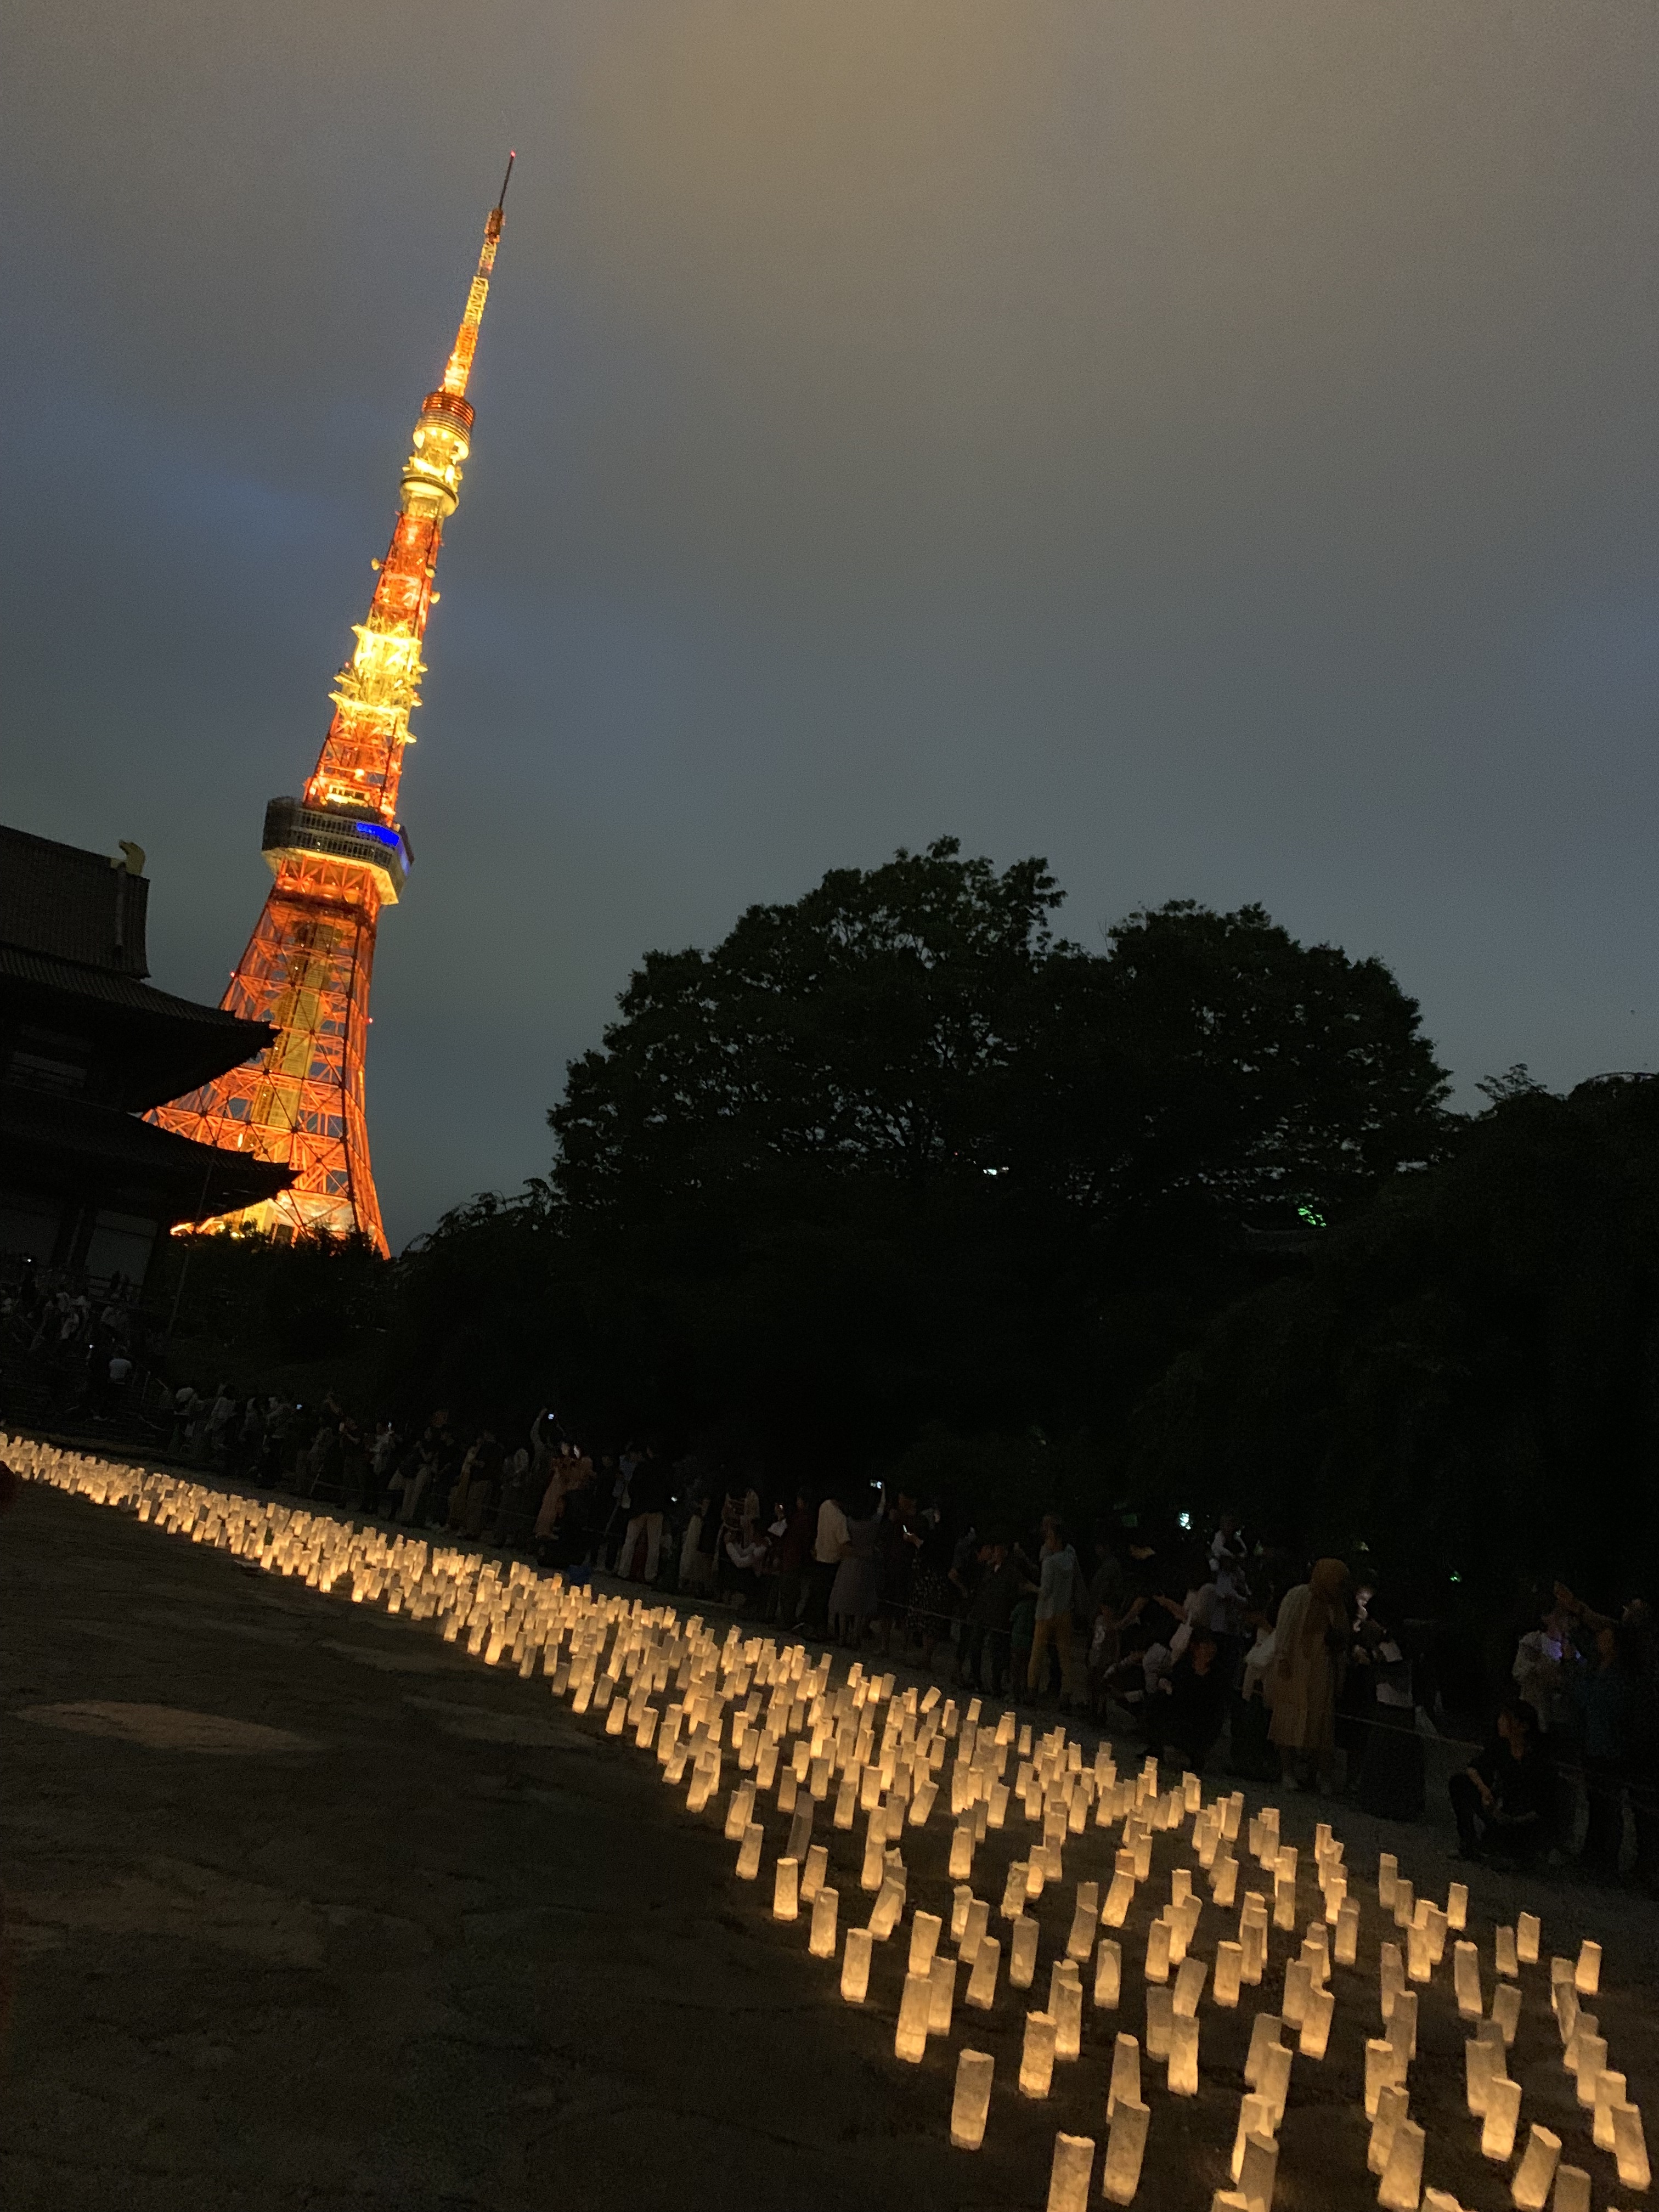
(1126, 2146)
(971, 2104)
(1068, 2179)
(1530, 2189)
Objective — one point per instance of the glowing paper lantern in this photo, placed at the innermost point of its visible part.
(1223, 1883)
(1068, 2179)
(961, 1898)
(1119, 1897)
(749, 1857)
(1482, 2064)
(1503, 2116)
(1255, 2118)
(973, 1933)
(1316, 2023)
(1592, 2056)
(1276, 2080)
(962, 1850)
(1081, 1940)
(1506, 1961)
(1572, 2190)
(916, 2003)
(971, 2104)
(1189, 1987)
(924, 1940)
(1065, 2006)
(812, 1874)
(1157, 1952)
(1229, 1965)
(1259, 2170)
(1609, 2092)
(1391, 2109)
(1458, 1906)
(1109, 1975)
(1160, 2016)
(1022, 1960)
(1126, 2146)
(1401, 2184)
(1013, 1892)
(1530, 2189)
(1125, 2086)
(1036, 2057)
(1183, 2056)
(1466, 1980)
(1402, 2024)
(1506, 2009)
(1266, 2030)
(982, 1982)
(826, 1905)
(1294, 2005)
(1527, 1934)
(1629, 2147)
(942, 1974)
(855, 1966)
(885, 1912)
(1587, 1974)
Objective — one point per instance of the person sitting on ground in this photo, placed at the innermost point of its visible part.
(1187, 1709)
(1502, 1800)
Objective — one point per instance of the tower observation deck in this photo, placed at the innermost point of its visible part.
(338, 853)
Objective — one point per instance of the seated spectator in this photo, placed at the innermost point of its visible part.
(1185, 1706)
(1502, 1799)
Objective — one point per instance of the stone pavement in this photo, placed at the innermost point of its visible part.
(404, 1934)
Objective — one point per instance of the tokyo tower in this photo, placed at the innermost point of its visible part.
(339, 855)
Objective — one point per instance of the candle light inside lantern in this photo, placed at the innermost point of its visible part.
(1587, 1974)
(1528, 1935)
(1529, 2190)
(812, 1874)
(1126, 2146)
(855, 1966)
(1506, 2009)
(971, 2104)
(749, 1856)
(1458, 1906)
(974, 1929)
(1506, 1961)
(1036, 2057)
(1068, 2179)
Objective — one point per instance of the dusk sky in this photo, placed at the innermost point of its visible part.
(1210, 445)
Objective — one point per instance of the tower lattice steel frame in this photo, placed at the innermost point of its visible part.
(339, 855)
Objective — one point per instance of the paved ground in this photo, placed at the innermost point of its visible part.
(433, 1945)
(307, 1911)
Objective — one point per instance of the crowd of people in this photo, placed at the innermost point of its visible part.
(1234, 1652)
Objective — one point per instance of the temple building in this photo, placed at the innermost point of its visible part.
(87, 1046)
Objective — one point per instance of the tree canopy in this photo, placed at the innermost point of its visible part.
(893, 1160)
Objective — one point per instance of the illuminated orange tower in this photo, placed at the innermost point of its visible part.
(339, 855)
